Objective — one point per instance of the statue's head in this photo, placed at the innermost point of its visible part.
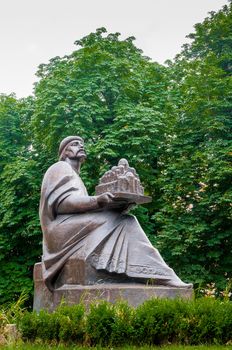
(124, 163)
(72, 147)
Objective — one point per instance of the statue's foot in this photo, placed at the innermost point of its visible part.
(178, 284)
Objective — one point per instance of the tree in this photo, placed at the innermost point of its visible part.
(115, 98)
(195, 216)
(19, 197)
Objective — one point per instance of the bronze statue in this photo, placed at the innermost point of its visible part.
(94, 230)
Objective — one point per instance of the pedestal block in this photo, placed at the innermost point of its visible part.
(134, 293)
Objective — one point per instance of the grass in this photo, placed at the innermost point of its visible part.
(31, 346)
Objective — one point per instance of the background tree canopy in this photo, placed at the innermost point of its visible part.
(173, 124)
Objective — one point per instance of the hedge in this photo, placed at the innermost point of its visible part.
(156, 322)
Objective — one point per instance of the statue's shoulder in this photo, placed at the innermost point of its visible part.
(60, 166)
(59, 169)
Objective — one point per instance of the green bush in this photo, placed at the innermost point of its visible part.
(226, 327)
(43, 325)
(109, 324)
(159, 321)
(210, 322)
(156, 322)
(99, 323)
(123, 328)
(72, 323)
(65, 324)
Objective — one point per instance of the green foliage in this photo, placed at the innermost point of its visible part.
(209, 322)
(19, 227)
(20, 177)
(108, 324)
(72, 323)
(100, 323)
(12, 312)
(32, 346)
(65, 324)
(194, 220)
(156, 322)
(123, 329)
(11, 134)
(111, 95)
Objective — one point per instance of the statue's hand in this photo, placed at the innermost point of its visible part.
(105, 199)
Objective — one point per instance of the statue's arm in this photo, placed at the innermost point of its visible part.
(74, 203)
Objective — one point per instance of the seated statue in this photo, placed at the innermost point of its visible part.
(96, 230)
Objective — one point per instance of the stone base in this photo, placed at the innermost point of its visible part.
(134, 293)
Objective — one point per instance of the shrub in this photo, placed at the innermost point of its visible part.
(156, 322)
(42, 325)
(28, 325)
(65, 324)
(99, 323)
(122, 328)
(209, 322)
(72, 323)
(226, 326)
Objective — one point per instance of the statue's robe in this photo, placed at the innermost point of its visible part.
(110, 240)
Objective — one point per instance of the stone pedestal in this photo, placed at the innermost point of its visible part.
(134, 293)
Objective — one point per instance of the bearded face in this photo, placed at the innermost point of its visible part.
(75, 150)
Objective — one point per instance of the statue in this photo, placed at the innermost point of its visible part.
(96, 230)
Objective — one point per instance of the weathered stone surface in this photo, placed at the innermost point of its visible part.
(91, 240)
(134, 293)
(121, 179)
(131, 197)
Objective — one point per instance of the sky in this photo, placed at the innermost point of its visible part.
(34, 31)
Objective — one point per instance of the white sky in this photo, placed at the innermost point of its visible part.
(34, 31)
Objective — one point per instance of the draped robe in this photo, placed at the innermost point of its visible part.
(112, 241)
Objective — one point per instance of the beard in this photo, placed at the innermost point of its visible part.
(79, 155)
